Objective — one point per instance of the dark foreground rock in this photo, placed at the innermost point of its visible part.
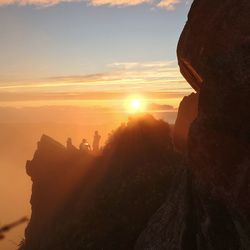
(188, 110)
(80, 201)
(192, 218)
(214, 56)
(210, 209)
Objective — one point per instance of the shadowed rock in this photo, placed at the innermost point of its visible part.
(214, 57)
(55, 173)
(209, 208)
(81, 201)
(188, 110)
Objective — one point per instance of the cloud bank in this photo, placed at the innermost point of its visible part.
(161, 76)
(118, 2)
(161, 107)
(166, 4)
(154, 80)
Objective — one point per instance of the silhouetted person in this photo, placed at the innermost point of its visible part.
(96, 142)
(70, 145)
(84, 146)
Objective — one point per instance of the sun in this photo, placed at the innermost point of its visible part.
(135, 105)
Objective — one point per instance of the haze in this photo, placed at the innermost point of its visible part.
(66, 69)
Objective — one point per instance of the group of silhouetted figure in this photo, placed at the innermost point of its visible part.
(84, 145)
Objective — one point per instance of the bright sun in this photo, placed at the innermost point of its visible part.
(135, 105)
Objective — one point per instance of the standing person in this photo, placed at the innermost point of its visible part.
(70, 146)
(69, 143)
(96, 142)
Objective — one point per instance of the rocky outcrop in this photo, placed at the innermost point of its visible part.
(214, 57)
(214, 42)
(55, 173)
(212, 212)
(193, 219)
(81, 201)
(188, 110)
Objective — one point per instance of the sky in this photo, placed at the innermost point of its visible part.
(90, 53)
(77, 63)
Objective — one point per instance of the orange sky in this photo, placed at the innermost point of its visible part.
(157, 82)
(68, 68)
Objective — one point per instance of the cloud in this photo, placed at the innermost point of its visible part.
(32, 2)
(47, 3)
(118, 2)
(167, 4)
(154, 80)
(17, 97)
(159, 76)
(161, 107)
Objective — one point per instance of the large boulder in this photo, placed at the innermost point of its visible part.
(209, 206)
(214, 57)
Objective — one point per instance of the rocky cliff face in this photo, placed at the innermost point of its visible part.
(209, 208)
(214, 57)
(81, 201)
(55, 173)
(191, 219)
(188, 110)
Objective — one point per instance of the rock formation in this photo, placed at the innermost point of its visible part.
(191, 219)
(188, 110)
(212, 212)
(55, 173)
(84, 201)
(214, 57)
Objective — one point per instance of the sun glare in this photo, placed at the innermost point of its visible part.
(135, 105)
